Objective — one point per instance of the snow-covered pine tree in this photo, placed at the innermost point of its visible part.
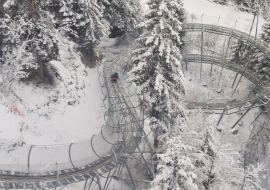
(37, 41)
(174, 169)
(123, 15)
(81, 20)
(198, 137)
(265, 36)
(258, 62)
(238, 50)
(251, 177)
(216, 166)
(16, 39)
(224, 172)
(157, 70)
(249, 5)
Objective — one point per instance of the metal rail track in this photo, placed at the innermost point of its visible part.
(196, 58)
(196, 27)
(24, 180)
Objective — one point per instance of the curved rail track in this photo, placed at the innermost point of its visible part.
(196, 58)
(103, 165)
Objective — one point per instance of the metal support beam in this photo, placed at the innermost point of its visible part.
(201, 55)
(212, 63)
(235, 78)
(151, 172)
(98, 181)
(256, 117)
(258, 11)
(91, 183)
(130, 175)
(257, 84)
(243, 116)
(107, 179)
(252, 24)
(221, 116)
(224, 58)
(57, 174)
(241, 77)
(85, 184)
(28, 163)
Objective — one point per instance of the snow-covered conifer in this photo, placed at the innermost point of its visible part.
(123, 15)
(79, 19)
(174, 169)
(265, 36)
(251, 177)
(216, 165)
(225, 172)
(14, 46)
(157, 70)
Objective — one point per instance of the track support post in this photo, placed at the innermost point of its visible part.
(221, 116)
(57, 174)
(201, 53)
(251, 92)
(243, 115)
(99, 185)
(224, 58)
(133, 183)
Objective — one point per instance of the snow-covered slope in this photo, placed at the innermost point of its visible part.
(70, 110)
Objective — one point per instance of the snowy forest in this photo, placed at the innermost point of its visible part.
(135, 94)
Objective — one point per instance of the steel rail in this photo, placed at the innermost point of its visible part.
(231, 66)
(7, 177)
(24, 177)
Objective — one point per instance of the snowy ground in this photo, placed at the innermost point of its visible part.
(55, 114)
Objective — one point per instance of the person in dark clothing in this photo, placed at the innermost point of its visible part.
(114, 77)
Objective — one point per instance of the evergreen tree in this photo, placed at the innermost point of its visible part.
(81, 20)
(16, 39)
(157, 71)
(251, 177)
(123, 15)
(34, 37)
(265, 36)
(248, 53)
(174, 169)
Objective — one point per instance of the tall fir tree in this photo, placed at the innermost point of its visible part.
(174, 169)
(265, 35)
(81, 20)
(35, 37)
(157, 70)
(123, 15)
